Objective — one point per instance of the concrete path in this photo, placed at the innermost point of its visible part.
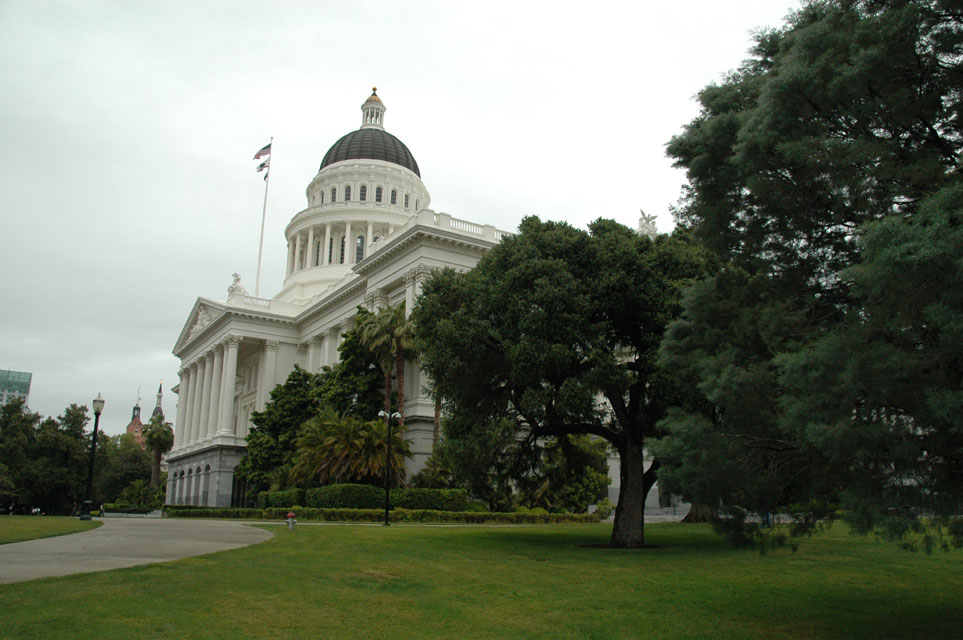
(122, 542)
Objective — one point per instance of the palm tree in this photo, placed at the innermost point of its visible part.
(342, 448)
(159, 437)
(391, 337)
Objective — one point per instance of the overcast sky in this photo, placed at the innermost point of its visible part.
(128, 130)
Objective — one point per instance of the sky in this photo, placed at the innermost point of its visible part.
(129, 128)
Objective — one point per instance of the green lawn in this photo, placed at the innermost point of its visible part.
(20, 528)
(495, 582)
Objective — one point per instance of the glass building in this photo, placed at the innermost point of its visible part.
(14, 384)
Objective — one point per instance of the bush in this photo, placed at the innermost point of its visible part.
(345, 496)
(477, 506)
(124, 507)
(377, 515)
(433, 499)
(604, 508)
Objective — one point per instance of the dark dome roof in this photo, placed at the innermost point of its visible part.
(371, 144)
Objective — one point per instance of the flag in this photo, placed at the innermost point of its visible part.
(264, 165)
(265, 151)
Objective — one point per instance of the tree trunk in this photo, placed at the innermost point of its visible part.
(700, 512)
(401, 392)
(155, 468)
(628, 530)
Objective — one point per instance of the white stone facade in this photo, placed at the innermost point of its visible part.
(370, 244)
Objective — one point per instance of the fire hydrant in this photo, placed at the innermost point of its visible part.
(291, 521)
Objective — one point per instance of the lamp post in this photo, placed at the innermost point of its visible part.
(396, 416)
(98, 407)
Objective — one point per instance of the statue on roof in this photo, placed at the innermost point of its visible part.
(236, 289)
(647, 225)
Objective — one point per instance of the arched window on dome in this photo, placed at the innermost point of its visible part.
(406, 201)
(347, 193)
(416, 206)
(363, 193)
(321, 195)
(341, 259)
(331, 251)
(334, 194)
(317, 254)
(378, 194)
(359, 249)
(394, 197)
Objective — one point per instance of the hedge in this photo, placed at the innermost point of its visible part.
(431, 499)
(123, 507)
(395, 515)
(345, 496)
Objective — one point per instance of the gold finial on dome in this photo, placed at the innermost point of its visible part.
(374, 95)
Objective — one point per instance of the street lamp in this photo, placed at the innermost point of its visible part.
(98, 407)
(396, 416)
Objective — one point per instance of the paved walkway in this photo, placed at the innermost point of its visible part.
(122, 542)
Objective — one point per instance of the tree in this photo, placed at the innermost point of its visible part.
(390, 336)
(354, 383)
(555, 333)
(272, 441)
(815, 172)
(120, 461)
(334, 448)
(159, 437)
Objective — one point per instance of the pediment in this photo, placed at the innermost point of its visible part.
(202, 316)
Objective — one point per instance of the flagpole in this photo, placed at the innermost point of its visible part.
(260, 247)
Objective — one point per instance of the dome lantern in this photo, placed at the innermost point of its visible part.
(373, 112)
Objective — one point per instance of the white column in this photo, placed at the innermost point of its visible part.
(312, 355)
(290, 257)
(368, 238)
(348, 244)
(226, 424)
(310, 257)
(195, 403)
(215, 404)
(184, 376)
(298, 265)
(269, 375)
(196, 426)
(303, 356)
(324, 246)
(409, 292)
(206, 394)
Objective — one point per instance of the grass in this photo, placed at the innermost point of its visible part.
(20, 528)
(502, 582)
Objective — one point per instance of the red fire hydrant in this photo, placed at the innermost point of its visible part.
(291, 521)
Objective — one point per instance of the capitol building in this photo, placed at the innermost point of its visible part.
(367, 237)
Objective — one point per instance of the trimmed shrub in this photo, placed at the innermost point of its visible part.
(123, 507)
(433, 499)
(345, 496)
(397, 515)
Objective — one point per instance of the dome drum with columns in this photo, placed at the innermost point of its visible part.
(367, 237)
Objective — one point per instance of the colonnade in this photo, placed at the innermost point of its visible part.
(320, 245)
(205, 405)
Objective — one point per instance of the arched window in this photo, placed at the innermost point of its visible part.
(406, 201)
(341, 260)
(322, 197)
(334, 194)
(394, 197)
(317, 254)
(378, 194)
(416, 205)
(347, 193)
(359, 249)
(331, 251)
(363, 193)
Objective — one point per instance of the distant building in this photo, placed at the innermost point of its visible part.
(14, 384)
(135, 427)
